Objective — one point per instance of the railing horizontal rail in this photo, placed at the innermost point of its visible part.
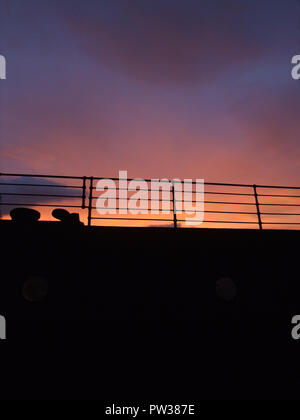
(8, 184)
(280, 205)
(86, 188)
(149, 180)
(156, 209)
(222, 221)
(189, 201)
(282, 223)
(279, 196)
(199, 201)
(193, 191)
(280, 214)
(211, 193)
(41, 205)
(42, 195)
(40, 176)
(171, 220)
(206, 183)
(133, 218)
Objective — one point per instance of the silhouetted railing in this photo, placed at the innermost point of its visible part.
(244, 205)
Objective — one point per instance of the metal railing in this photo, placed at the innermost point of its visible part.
(242, 205)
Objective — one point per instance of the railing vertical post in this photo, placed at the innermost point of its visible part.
(174, 206)
(1, 202)
(90, 201)
(257, 207)
(83, 206)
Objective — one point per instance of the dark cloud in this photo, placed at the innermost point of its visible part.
(166, 41)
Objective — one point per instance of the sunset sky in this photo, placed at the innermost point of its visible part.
(168, 88)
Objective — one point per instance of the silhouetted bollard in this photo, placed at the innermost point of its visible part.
(24, 215)
(61, 214)
(67, 218)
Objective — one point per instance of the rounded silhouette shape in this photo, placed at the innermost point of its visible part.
(226, 289)
(25, 215)
(61, 214)
(35, 289)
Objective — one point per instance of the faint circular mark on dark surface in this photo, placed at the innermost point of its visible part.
(226, 289)
(35, 289)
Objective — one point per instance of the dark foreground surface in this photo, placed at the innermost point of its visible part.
(148, 314)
